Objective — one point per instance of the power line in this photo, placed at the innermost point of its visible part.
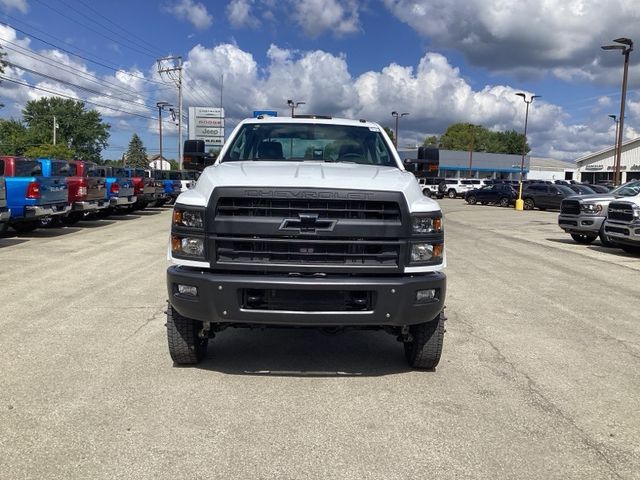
(62, 14)
(35, 87)
(87, 59)
(67, 68)
(93, 20)
(115, 24)
(75, 85)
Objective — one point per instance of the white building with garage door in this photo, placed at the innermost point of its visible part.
(600, 166)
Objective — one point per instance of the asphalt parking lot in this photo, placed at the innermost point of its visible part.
(540, 376)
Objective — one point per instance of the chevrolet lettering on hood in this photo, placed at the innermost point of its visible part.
(333, 195)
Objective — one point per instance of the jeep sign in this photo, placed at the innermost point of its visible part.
(207, 123)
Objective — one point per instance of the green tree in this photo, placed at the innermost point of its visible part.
(14, 137)
(80, 129)
(49, 150)
(467, 136)
(137, 153)
(390, 133)
(432, 141)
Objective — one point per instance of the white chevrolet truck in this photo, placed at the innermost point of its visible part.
(307, 222)
(622, 225)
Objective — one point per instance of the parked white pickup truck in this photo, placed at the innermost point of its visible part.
(622, 225)
(307, 222)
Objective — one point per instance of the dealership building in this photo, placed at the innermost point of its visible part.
(600, 166)
(464, 164)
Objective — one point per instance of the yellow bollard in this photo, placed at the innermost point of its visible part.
(519, 204)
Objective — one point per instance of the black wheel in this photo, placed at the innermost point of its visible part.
(529, 204)
(583, 238)
(471, 200)
(604, 240)
(426, 192)
(73, 218)
(26, 227)
(451, 193)
(630, 249)
(425, 349)
(185, 346)
(4, 226)
(504, 202)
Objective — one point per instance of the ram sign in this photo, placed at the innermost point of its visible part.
(207, 123)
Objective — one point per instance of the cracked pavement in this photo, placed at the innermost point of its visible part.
(540, 376)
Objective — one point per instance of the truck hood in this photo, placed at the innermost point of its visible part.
(309, 174)
(595, 197)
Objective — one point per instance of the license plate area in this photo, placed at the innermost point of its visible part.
(298, 300)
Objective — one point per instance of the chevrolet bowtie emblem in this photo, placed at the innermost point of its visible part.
(307, 223)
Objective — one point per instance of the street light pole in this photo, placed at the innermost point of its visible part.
(626, 45)
(471, 146)
(615, 143)
(293, 105)
(397, 116)
(519, 201)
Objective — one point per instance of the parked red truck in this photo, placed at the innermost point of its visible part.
(86, 189)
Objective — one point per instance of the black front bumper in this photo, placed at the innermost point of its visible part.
(219, 298)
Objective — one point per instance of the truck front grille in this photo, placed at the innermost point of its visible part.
(296, 251)
(324, 208)
(620, 212)
(570, 207)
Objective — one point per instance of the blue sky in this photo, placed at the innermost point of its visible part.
(443, 61)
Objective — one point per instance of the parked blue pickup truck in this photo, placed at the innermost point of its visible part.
(172, 185)
(119, 190)
(31, 197)
(5, 213)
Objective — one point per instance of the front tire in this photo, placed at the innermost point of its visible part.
(471, 200)
(630, 249)
(185, 345)
(425, 349)
(452, 193)
(583, 238)
(26, 227)
(529, 204)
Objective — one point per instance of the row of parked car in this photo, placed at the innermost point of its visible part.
(587, 211)
(36, 192)
(614, 217)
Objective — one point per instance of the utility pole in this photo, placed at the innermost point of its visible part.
(171, 65)
(55, 127)
(161, 106)
(471, 146)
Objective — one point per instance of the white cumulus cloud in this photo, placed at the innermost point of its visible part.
(191, 11)
(20, 5)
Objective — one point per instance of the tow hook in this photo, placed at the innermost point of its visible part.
(206, 331)
(405, 336)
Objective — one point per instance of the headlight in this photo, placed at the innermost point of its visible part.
(425, 252)
(422, 225)
(188, 218)
(591, 207)
(193, 247)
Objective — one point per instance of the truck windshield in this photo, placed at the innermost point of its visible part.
(630, 189)
(309, 142)
(28, 168)
(59, 169)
